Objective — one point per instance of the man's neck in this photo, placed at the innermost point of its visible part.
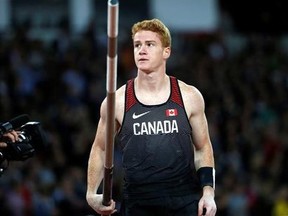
(152, 89)
(151, 82)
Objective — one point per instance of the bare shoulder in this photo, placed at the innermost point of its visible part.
(120, 104)
(120, 96)
(192, 97)
(190, 91)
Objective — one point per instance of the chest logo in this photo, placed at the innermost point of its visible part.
(135, 116)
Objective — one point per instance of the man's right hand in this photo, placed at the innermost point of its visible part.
(95, 201)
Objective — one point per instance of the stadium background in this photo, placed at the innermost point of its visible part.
(53, 67)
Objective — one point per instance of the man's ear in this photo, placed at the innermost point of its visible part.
(167, 52)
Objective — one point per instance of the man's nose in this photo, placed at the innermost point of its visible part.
(142, 50)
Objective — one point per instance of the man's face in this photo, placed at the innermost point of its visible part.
(149, 54)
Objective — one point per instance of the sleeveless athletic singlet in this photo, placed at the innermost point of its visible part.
(157, 147)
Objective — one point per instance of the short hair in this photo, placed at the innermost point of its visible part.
(154, 25)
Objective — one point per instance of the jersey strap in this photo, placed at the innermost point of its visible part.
(131, 98)
(130, 95)
(176, 94)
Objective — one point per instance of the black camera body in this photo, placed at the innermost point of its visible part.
(31, 138)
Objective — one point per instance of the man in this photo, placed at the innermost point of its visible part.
(168, 160)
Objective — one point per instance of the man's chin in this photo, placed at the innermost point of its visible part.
(146, 71)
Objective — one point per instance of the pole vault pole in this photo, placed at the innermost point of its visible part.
(112, 33)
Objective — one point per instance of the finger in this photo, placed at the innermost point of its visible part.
(3, 144)
(11, 136)
(15, 134)
(112, 204)
(107, 210)
(204, 211)
(209, 211)
(200, 208)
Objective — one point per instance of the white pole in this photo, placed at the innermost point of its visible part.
(112, 33)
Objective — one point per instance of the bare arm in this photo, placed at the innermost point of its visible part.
(96, 159)
(95, 171)
(200, 134)
(96, 168)
(195, 108)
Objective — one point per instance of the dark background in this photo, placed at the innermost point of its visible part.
(59, 77)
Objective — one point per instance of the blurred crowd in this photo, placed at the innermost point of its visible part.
(62, 83)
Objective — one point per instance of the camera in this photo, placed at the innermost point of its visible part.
(31, 138)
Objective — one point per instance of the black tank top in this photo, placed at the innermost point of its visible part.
(157, 147)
